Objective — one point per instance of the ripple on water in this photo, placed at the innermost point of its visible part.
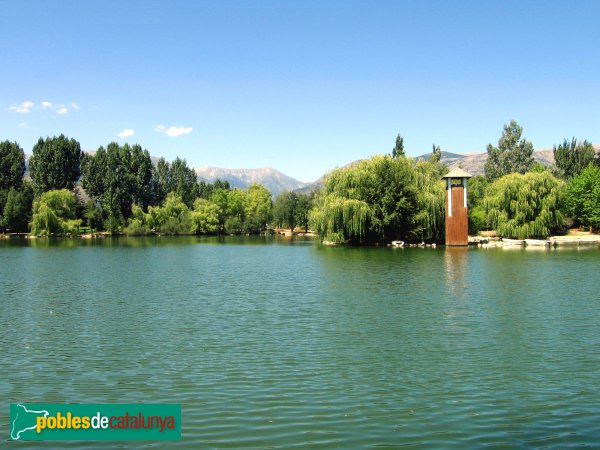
(279, 346)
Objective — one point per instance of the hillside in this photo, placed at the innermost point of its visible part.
(474, 162)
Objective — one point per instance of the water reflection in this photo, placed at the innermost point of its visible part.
(456, 270)
(153, 241)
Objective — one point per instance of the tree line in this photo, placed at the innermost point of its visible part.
(393, 197)
(118, 189)
(387, 197)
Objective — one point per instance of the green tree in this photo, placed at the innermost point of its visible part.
(583, 197)
(258, 210)
(476, 194)
(235, 212)
(231, 209)
(116, 178)
(539, 167)
(103, 178)
(285, 210)
(138, 222)
(205, 217)
(398, 149)
(205, 189)
(525, 206)
(379, 200)
(436, 154)
(572, 157)
(220, 198)
(55, 164)
(54, 214)
(13, 195)
(178, 178)
(513, 154)
(139, 174)
(184, 181)
(93, 214)
(388, 187)
(222, 184)
(476, 190)
(12, 165)
(431, 196)
(17, 209)
(339, 219)
(304, 204)
(171, 218)
(161, 177)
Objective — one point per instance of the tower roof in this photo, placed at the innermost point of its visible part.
(457, 172)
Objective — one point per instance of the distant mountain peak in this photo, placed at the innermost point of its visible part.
(270, 178)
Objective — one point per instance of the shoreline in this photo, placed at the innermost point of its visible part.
(572, 240)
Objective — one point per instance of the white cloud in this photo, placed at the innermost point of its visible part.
(173, 131)
(24, 107)
(178, 131)
(126, 133)
(60, 109)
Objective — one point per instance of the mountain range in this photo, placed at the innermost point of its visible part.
(270, 178)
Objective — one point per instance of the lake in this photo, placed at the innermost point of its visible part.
(275, 343)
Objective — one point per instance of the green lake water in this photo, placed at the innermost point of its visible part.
(273, 343)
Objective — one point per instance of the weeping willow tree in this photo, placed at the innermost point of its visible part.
(379, 200)
(54, 214)
(338, 219)
(525, 206)
(431, 215)
(171, 218)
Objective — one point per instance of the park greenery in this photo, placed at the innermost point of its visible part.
(381, 199)
(120, 189)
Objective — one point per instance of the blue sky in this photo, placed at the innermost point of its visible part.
(299, 86)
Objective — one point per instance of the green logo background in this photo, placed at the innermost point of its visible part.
(23, 421)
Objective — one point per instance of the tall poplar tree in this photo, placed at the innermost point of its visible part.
(513, 154)
(55, 164)
(117, 177)
(436, 154)
(12, 165)
(572, 157)
(398, 149)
